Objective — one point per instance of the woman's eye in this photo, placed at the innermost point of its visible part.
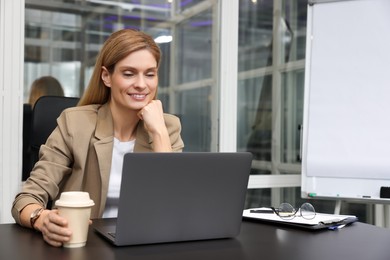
(128, 74)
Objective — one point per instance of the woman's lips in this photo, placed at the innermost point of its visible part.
(138, 96)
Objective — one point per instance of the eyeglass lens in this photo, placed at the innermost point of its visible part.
(286, 211)
(307, 211)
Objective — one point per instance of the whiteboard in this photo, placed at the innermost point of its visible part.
(346, 127)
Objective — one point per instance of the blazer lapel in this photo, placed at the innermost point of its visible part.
(103, 147)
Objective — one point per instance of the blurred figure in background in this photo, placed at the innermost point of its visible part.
(45, 86)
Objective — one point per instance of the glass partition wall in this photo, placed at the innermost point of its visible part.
(271, 60)
(272, 37)
(63, 38)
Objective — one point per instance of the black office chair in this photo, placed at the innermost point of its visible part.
(44, 121)
(27, 122)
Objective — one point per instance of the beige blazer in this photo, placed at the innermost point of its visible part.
(77, 157)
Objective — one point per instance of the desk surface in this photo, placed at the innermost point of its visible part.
(256, 241)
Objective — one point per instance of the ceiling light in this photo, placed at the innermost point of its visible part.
(163, 39)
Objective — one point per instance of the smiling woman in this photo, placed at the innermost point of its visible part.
(118, 114)
(133, 82)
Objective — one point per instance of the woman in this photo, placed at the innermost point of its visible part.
(117, 114)
(44, 86)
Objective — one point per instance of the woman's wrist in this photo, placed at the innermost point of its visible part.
(30, 215)
(161, 141)
(35, 215)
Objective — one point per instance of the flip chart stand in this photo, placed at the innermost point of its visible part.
(381, 211)
(337, 207)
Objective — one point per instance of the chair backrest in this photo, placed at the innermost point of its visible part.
(27, 121)
(44, 119)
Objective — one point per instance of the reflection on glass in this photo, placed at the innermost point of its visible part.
(258, 67)
(163, 71)
(194, 48)
(195, 115)
(256, 198)
(292, 115)
(186, 4)
(294, 29)
(255, 34)
(255, 117)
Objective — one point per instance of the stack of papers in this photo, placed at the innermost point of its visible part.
(320, 221)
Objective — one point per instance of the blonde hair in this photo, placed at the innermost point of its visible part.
(45, 86)
(117, 47)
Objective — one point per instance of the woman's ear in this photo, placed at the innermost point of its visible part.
(106, 77)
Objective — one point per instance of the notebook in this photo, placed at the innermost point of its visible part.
(172, 197)
(319, 221)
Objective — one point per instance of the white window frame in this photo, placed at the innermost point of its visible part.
(11, 103)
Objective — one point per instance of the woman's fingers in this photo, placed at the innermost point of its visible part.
(152, 115)
(55, 230)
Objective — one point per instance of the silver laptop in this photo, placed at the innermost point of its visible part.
(172, 197)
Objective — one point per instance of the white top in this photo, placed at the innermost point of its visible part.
(114, 185)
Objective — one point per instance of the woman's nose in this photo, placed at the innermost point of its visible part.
(140, 81)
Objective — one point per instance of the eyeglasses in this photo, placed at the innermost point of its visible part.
(286, 211)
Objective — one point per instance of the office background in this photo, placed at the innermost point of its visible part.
(233, 71)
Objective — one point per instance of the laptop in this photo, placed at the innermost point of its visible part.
(173, 197)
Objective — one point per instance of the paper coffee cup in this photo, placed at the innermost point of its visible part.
(75, 206)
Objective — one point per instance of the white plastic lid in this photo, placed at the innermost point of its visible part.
(74, 199)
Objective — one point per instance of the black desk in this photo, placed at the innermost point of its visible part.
(257, 241)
